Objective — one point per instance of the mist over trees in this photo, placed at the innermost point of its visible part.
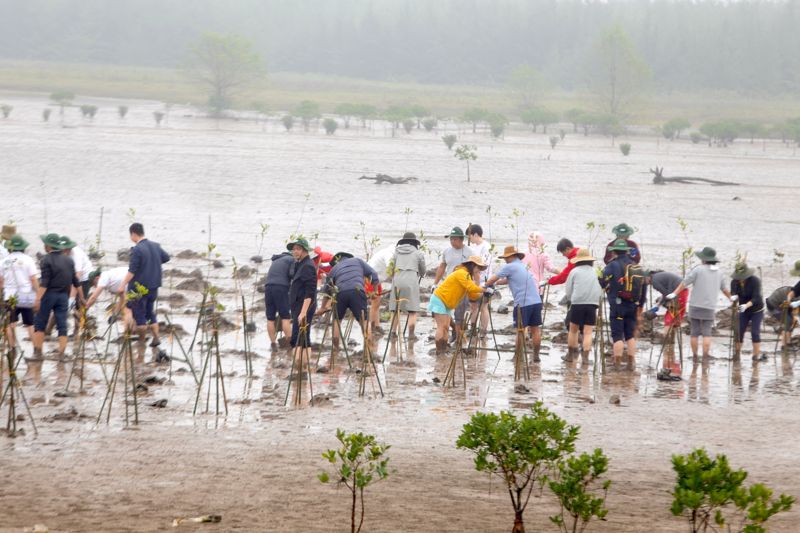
(746, 46)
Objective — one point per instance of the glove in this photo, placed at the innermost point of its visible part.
(795, 304)
(734, 298)
(653, 309)
(488, 291)
(745, 307)
(670, 296)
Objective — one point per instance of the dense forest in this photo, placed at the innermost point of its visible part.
(746, 46)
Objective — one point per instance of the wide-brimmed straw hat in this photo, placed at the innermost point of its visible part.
(707, 255)
(455, 232)
(67, 243)
(622, 230)
(511, 251)
(301, 242)
(620, 245)
(477, 261)
(742, 271)
(16, 244)
(338, 256)
(796, 270)
(53, 240)
(9, 230)
(409, 238)
(582, 255)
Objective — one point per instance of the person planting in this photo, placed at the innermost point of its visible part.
(276, 298)
(583, 293)
(452, 257)
(302, 292)
(455, 287)
(747, 287)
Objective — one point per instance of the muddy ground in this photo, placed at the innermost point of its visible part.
(257, 466)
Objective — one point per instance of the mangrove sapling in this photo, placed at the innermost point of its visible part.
(430, 123)
(687, 253)
(449, 140)
(554, 141)
(466, 153)
(6, 110)
(122, 111)
(625, 148)
(358, 462)
(407, 212)
(706, 487)
(288, 122)
(522, 451)
(516, 214)
(46, 114)
(408, 125)
(778, 261)
(580, 491)
(593, 231)
(369, 244)
(330, 126)
(158, 116)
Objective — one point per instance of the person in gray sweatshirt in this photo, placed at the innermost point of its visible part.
(583, 293)
(706, 281)
(408, 268)
(276, 298)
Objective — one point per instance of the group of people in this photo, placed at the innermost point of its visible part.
(463, 283)
(64, 279)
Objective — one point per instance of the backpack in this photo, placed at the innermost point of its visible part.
(632, 283)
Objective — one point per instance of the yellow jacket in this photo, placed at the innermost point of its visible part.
(455, 286)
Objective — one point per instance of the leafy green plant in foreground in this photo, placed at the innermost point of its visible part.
(580, 491)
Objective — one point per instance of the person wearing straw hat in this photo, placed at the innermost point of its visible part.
(19, 279)
(346, 284)
(57, 279)
(8, 231)
(460, 284)
(624, 304)
(793, 304)
(453, 257)
(408, 268)
(623, 231)
(747, 286)
(583, 293)
(527, 302)
(302, 291)
(706, 281)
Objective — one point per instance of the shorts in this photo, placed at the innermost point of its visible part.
(144, 309)
(531, 316)
(276, 300)
(26, 314)
(623, 321)
(682, 300)
(354, 300)
(583, 315)
(58, 304)
(296, 333)
(436, 306)
(700, 327)
(754, 320)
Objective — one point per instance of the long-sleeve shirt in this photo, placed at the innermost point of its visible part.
(304, 285)
(58, 273)
(749, 291)
(280, 271)
(560, 279)
(634, 253)
(613, 279)
(452, 290)
(408, 257)
(349, 274)
(583, 287)
(145, 264)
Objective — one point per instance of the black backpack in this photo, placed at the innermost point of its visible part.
(632, 283)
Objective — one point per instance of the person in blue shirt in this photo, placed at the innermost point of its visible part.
(144, 269)
(276, 298)
(345, 285)
(527, 302)
(624, 311)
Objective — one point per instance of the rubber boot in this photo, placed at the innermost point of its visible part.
(572, 353)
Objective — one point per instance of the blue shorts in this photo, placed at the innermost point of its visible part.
(623, 321)
(355, 300)
(436, 306)
(144, 308)
(531, 315)
(276, 298)
(58, 304)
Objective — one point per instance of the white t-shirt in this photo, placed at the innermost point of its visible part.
(483, 250)
(17, 270)
(111, 280)
(452, 257)
(82, 263)
(380, 262)
(3, 251)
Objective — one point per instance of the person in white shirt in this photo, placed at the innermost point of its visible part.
(111, 281)
(380, 262)
(19, 279)
(483, 249)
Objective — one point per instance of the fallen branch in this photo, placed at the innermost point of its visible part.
(659, 179)
(385, 178)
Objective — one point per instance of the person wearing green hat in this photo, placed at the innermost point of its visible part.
(58, 278)
(623, 231)
(625, 286)
(19, 280)
(302, 292)
(706, 281)
(453, 256)
(108, 280)
(792, 305)
(8, 231)
(747, 286)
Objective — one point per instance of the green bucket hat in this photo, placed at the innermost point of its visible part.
(67, 243)
(622, 230)
(742, 271)
(94, 274)
(620, 245)
(16, 244)
(455, 232)
(301, 242)
(338, 256)
(52, 240)
(707, 255)
(796, 270)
